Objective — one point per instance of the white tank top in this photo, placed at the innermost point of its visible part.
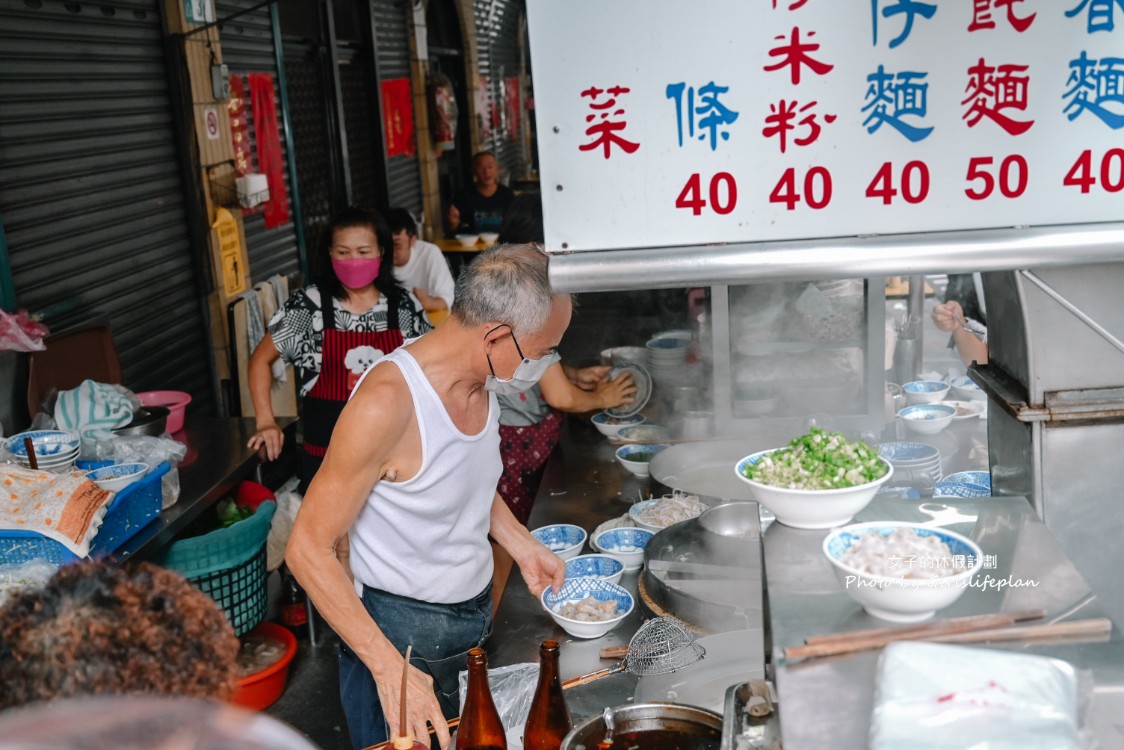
(427, 538)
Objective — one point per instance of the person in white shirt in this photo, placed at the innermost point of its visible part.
(419, 265)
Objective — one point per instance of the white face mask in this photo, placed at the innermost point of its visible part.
(529, 372)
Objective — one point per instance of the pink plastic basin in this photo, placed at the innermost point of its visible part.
(176, 401)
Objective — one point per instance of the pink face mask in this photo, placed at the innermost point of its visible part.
(356, 273)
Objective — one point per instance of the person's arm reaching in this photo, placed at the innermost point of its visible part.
(267, 436)
(357, 458)
(540, 567)
(949, 317)
(562, 394)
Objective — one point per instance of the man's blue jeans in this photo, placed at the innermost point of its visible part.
(441, 635)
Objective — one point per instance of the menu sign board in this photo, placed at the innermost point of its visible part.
(665, 123)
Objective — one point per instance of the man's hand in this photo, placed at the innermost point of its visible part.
(454, 218)
(949, 316)
(267, 441)
(421, 705)
(541, 568)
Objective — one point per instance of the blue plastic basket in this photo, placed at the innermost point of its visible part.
(130, 510)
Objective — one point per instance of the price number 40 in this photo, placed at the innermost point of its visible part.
(723, 194)
(1112, 171)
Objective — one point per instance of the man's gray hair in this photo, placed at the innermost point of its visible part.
(506, 284)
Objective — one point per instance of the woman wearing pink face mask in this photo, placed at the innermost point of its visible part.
(332, 331)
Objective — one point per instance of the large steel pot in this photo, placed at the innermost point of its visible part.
(650, 726)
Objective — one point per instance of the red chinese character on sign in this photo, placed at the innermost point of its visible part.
(793, 4)
(992, 90)
(796, 54)
(603, 129)
(981, 15)
(780, 122)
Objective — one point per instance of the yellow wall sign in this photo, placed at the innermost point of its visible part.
(230, 252)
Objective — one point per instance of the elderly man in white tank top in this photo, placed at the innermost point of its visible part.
(408, 486)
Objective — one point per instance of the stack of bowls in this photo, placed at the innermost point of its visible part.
(55, 450)
(913, 462)
(667, 355)
(964, 484)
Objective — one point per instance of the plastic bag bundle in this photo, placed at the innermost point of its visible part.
(933, 696)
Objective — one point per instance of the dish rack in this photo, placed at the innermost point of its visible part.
(130, 510)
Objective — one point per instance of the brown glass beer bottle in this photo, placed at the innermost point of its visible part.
(549, 719)
(480, 727)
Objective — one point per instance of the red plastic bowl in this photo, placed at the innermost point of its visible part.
(261, 690)
(176, 401)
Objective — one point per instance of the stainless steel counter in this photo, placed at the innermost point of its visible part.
(827, 702)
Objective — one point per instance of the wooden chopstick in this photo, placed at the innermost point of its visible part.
(954, 625)
(865, 640)
(32, 461)
(1092, 628)
(614, 652)
(1075, 628)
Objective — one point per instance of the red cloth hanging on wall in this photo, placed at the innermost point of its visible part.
(268, 139)
(398, 117)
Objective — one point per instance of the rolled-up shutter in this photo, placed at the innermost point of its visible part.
(392, 42)
(247, 47)
(91, 195)
(497, 42)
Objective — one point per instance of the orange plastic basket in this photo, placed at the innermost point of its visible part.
(261, 690)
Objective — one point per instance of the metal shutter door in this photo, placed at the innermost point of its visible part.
(90, 187)
(247, 47)
(392, 44)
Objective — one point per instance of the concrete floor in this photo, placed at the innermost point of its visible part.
(311, 701)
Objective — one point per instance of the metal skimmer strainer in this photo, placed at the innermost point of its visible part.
(659, 646)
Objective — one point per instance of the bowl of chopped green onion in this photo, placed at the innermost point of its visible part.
(818, 481)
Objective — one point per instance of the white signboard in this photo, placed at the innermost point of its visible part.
(670, 123)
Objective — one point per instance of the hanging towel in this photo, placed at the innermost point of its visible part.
(268, 306)
(93, 408)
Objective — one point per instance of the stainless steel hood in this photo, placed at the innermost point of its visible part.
(842, 257)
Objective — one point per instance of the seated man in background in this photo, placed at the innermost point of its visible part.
(102, 629)
(419, 266)
(481, 207)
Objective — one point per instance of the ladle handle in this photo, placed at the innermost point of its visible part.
(593, 676)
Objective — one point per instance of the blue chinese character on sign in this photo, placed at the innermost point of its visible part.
(710, 115)
(893, 8)
(1101, 14)
(1095, 84)
(889, 100)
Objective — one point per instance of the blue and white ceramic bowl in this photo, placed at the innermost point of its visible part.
(47, 444)
(902, 599)
(965, 388)
(576, 589)
(609, 426)
(964, 484)
(624, 543)
(564, 539)
(672, 343)
(906, 453)
(118, 476)
(595, 566)
(927, 419)
(636, 457)
(925, 391)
